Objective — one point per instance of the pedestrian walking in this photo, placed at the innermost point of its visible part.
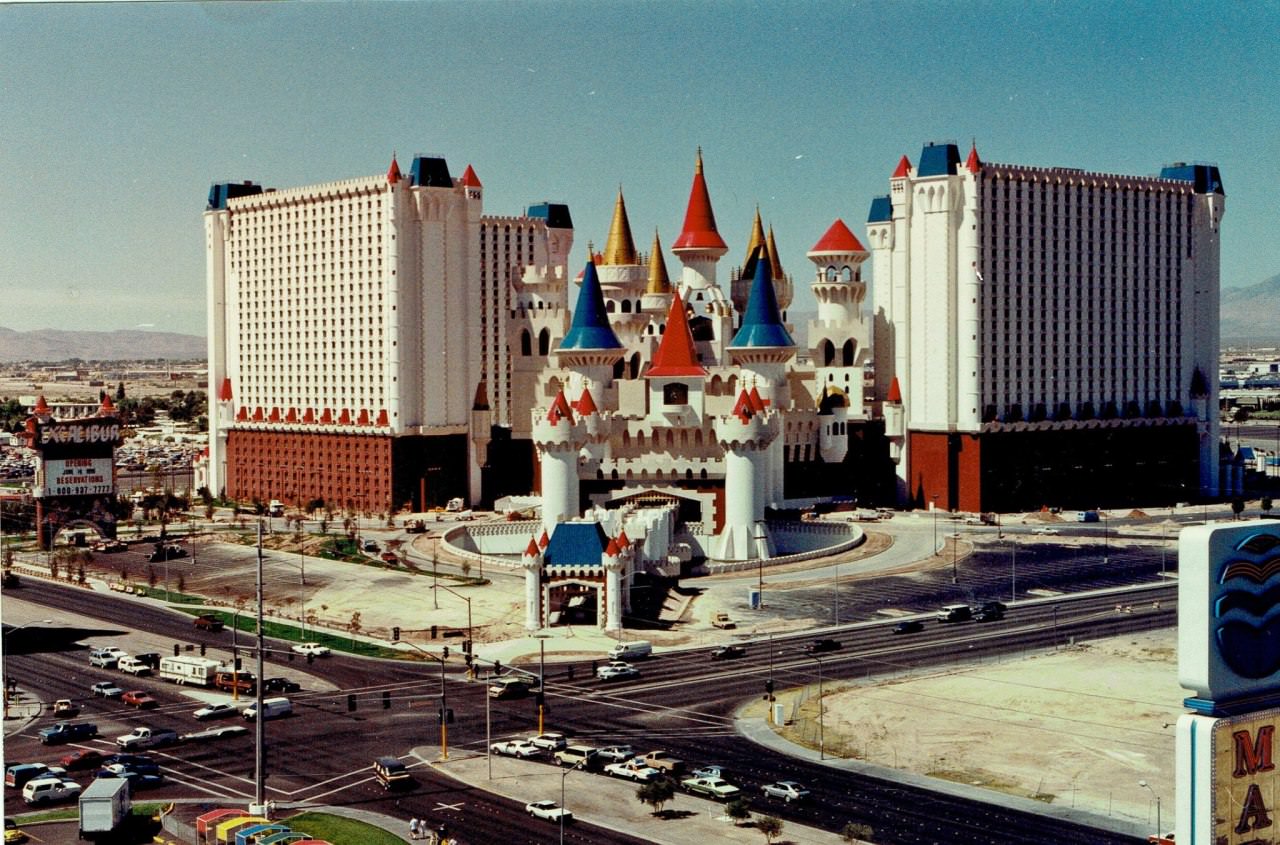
(414, 828)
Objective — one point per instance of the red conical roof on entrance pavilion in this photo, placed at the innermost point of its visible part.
(676, 355)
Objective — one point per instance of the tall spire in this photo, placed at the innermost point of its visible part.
(699, 232)
(974, 164)
(775, 261)
(590, 328)
(659, 281)
(676, 355)
(620, 248)
(757, 240)
(762, 322)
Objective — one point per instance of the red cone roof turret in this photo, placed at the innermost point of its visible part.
(623, 540)
(42, 407)
(974, 164)
(904, 169)
(393, 172)
(895, 392)
(676, 355)
(543, 540)
(559, 410)
(611, 550)
(470, 179)
(532, 549)
(838, 238)
(586, 405)
(699, 231)
(107, 406)
(224, 392)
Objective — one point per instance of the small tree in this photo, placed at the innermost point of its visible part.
(852, 832)
(656, 792)
(1265, 504)
(354, 627)
(55, 561)
(770, 826)
(1237, 507)
(152, 578)
(739, 810)
(182, 583)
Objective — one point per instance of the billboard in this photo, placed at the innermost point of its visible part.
(1229, 616)
(1228, 783)
(74, 477)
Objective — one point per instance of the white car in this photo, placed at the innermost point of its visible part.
(787, 790)
(633, 770)
(215, 711)
(617, 671)
(311, 649)
(519, 748)
(616, 753)
(133, 666)
(107, 689)
(1044, 531)
(549, 742)
(548, 810)
(45, 790)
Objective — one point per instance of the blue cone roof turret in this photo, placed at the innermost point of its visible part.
(762, 324)
(590, 328)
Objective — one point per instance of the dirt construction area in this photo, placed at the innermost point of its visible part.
(1080, 727)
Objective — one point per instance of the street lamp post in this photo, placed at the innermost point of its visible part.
(955, 552)
(1013, 568)
(935, 523)
(1147, 787)
(1055, 627)
(467, 599)
(822, 740)
(564, 775)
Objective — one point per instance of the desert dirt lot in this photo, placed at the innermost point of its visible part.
(1079, 727)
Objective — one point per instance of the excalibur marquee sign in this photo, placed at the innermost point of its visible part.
(1229, 656)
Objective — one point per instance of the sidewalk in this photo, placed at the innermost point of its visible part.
(611, 803)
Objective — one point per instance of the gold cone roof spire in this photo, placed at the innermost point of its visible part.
(659, 281)
(757, 238)
(773, 255)
(620, 248)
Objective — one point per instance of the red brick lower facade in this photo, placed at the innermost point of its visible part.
(355, 472)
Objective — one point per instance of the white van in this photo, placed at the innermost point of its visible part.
(631, 651)
(272, 708)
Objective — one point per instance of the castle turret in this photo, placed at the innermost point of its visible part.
(676, 379)
(699, 246)
(762, 347)
(558, 438)
(833, 435)
(839, 339)
(746, 436)
(531, 563)
(613, 569)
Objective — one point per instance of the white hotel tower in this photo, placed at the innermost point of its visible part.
(1046, 335)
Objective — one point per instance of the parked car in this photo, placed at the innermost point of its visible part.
(616, 753)
(633, 770)
(909, 626)
(821, 646)
(311, 649)
(83, 758)
(548, 811)
(140, 763)
(139, 699)
(728, 652)
(549, 742)
(370, 546)
(12, 833)
(502, 688)
(104, 659)
(716, 788)
(519, 748)
(787, 790)
(712, 771)
(1044, 531)
(106, 689)
(578, 756)
(112, 546)
(221, 710)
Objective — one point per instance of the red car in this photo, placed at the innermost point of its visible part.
(85, 758)
(140, 699)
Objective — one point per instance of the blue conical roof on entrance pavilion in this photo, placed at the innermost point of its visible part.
(762, 324)
(590, 328)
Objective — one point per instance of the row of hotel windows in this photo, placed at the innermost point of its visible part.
(1106, 410)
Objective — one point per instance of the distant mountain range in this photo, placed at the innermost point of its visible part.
(1247, 314)
(125, 345)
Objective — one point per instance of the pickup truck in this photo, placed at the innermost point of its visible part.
(663, 761)
(147, 738)
(133, 666)
(67, 732)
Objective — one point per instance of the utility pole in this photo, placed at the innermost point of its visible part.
(259, 723)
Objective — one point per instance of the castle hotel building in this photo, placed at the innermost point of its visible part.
(356, 335)
(1047, 335)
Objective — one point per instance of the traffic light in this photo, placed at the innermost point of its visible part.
(177, 649)
(237, 664)
(497, 666)
(202, 649)
(386, 699)
(768, 689)
(395, 634)
(448, 715)
(467, 658)
(351, 702)
(466, 646)
(444, 653)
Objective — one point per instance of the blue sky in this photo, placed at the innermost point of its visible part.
(115, 118)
